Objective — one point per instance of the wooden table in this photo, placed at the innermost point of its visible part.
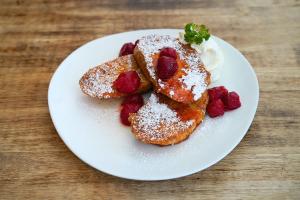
(37, 35)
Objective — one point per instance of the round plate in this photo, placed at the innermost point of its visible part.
(93, 132)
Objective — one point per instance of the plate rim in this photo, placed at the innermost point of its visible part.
(187, 173)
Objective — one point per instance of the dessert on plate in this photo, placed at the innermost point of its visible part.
(179, 70)
(163, 121)
(99, 81)
(175, 69)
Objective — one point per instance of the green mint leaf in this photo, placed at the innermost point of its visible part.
(195, 34)
(188, 27)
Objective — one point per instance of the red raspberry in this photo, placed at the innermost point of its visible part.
(169, 52)
(136, 98)
(126, 49)
(127, 82)
(217, 93)
(166, 67)
(231, 101)
(126, 109)
(215, 108)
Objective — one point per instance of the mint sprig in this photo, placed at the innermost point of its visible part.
(195, 34)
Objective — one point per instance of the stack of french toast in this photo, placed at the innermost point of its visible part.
(174, 74)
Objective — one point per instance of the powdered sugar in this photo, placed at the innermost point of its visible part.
(171, 93)
(98, 81)
(157, 121)
(152, 44)
(161, 83)
(192, 79)
(195, 81)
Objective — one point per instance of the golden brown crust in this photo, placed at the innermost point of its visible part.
(98, 81)
(140, 60)
(155, 124)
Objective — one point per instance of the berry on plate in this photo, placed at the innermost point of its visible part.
(169, 52)
(136, 98)
(130, 104)
(127, 82)
(220, 100)
(126, 49)
(217, 93)
(166, 67)
(215, 108)
(231, 101)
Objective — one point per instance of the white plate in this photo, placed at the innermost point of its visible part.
(92, 131)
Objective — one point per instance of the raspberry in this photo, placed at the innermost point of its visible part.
(131, 104)
(127, 82)
(126, 109)
(215, 108)
(169, 52)
(136, 98)
(126, 49)
(217, 93)
(166, 67)
(231, 101)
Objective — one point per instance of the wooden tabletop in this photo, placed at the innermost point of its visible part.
(36, 35)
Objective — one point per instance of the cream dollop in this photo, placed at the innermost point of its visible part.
(211, 56)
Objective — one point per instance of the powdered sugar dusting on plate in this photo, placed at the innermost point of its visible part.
(156, 121)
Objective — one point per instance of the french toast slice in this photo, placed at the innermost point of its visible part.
(191, 79)
(98, 81)
(162, 121)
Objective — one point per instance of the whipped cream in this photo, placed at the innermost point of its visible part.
(210, 54)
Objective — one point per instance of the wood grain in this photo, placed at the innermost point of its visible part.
(37, 35)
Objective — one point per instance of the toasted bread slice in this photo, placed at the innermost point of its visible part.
(98, 81)
(191, 79)
(162, 121)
